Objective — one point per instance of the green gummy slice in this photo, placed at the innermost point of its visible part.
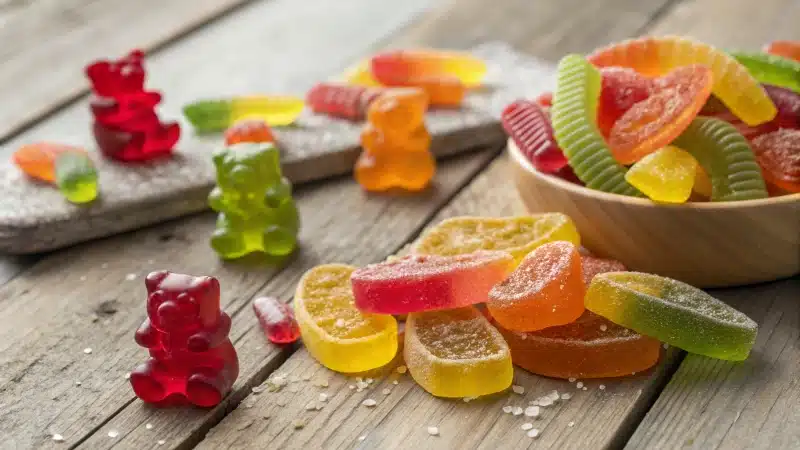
(727, 158)
(208, 116)
(574, 117)
(673, 312)
(771, 69)
(76, 177)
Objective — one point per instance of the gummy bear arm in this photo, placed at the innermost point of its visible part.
(215, 199)
(146, 335)
(206, 339)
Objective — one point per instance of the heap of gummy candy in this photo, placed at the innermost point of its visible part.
(666, 117)
(549, 309)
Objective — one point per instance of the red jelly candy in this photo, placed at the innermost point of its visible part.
(429, 282)
(249, 130)
(786, 101)
(621, 88)
(341, 100)
(276, 319)
(191, 356)
(529, 126)
(591, 266)
(566, 173)
(778, 154)
(545, 99)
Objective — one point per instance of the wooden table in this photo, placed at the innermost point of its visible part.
(56, 307)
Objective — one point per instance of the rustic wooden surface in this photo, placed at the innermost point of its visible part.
(81, 297)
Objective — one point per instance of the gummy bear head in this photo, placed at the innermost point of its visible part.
(177, 302)
(247, 166)
(117, 78)
(399, 110)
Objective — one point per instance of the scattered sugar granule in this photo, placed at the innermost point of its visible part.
(579, 385)
(517, 411)
(161, 442)
(298, 424)
(533, 433)
(571, 424)
(149, 426)
(545, 401)
(585, 388)
(58, 438)
(369, 380)
(527, 426)
(433, 431)
(468, 399)
(113, 433)
(361, 384)
(78, 383)
(340, 323)
(518, 389)
(87, 350)
(602, 387)
(532, 411)
(369, 402)
(361, 438)
(386, 391)
(395, 382)
(571, 379)
(507, 409)
(258, 389)
(566, 396)
(127, 376)
(130, 276)
(311, 406)
(603, 327)
(554, 396)
(323, 397)
(320, 382)
(352, 386)
(401, 369)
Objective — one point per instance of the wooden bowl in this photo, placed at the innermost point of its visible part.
(704, 244)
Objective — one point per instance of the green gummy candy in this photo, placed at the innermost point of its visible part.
(76, 177)
(208, 116)
(727, 158)
(574, 117)
(771, 69)
(673, 312)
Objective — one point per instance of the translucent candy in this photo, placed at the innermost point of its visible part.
(429, 282)
(341, 100)
(590, 347)
(428, 63)
(544, 291)
(216, 115)
(276, 319)
(673, 312)
(446, 92)
(778, 154)
(786, 100)
(655, 122)
(456, 353)
(360, 74)
(545, 99)
(787, 49)
(665, 176)
(655, 56)
(529, 126)
(334, 332)
(69, 168)
(621, 88)
(248, 130)
(702, 183)
(591, 266)
(515, 235)
(771, 69)
(574, 119)
(727, 158)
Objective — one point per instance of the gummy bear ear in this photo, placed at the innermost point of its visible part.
(219, 156)
(154, 279)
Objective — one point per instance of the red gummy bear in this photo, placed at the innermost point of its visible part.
(126, 125)
(187, 335)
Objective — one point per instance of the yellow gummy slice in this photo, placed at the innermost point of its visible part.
(666, 175)
(338, 335)
(275, 110)
(360, 75)
(456, 353)
(655, 56)
(516, 235)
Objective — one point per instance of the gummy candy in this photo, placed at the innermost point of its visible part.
(248, 130)
(338, 335)
(545, 99)
(428, 282)
(655, 122)
(445, 92)
(786, 101)
(515, 235)
(727, 158)
(667, 175)
(456, 353)
(771, 69)
(673, 312)
(545, 290)
(778, 154)
(208, 116)
(574, 118)
(590, 347)
(341, 100)
(69, 168)
(191, 355)
(529, 127)
(654, 56)
(254, 201)
(702, 183)
(787, 49)
(126, 126)
(591, 266)
(276, 319)
(620, 89)
(396, 144)
(360, 75)
(566, 173)
(416, 64)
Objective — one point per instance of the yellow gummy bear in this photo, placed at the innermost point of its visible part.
(338, 335)
(666, 175)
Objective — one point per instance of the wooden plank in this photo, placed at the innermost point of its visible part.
(47, 43)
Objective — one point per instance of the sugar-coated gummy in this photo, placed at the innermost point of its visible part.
(667, 175)
(785, 48)
(778, 154)
(529, 127)
(409, 64)
(276, 319)
(771, 69)
(207, 116)
(249, 130)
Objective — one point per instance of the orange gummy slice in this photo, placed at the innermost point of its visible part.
(656, 121)
(787, 49)
(778, 154)
(248, 130)
(39, 160)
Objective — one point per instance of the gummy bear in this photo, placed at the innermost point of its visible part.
(341, 100)
(396, 144)
(621, 88)
(667, 175)
(276, 319)
(69, 168)
(428, 282)
(787, 49)
(428, 63)
(778, 154)
(248, 130)
(191, 356)
(529, 126)
(256, 210)
(126, 126)
(208, 116)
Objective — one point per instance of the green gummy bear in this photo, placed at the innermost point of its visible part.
(76, 177)
(256, 210)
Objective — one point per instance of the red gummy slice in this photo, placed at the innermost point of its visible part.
(530, 128)
(591, 266)
(787, 49)
(621, 88)
(778, 154)
(786, 101)
(248, 130)
(429, 282)
(566, 173)
(655, 122)
(276, 319)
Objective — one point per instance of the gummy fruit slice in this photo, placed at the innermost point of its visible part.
(456, 353)
(216, 115)
(592, 266)
(574, 116)
(545, 290)
(771, 69)
(654, 56)
(428, 282)
(666, 175)
(39, 160)
(778, 154)
(787, 49)
(529, 126)
(427, 63)
(515, 235)
(338, 335)
(726, 157)
(621, 88)
(655, 122)
(673, 312)
(248, 130)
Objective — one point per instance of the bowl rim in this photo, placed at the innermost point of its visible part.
(523, 162)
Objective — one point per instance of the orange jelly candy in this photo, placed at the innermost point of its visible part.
(545, 290)
(39, 160)
(442, 91)
(248, 130)
(655, 122)
(787, 49)
(778, 154)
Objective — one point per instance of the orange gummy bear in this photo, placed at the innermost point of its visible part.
(248, 130)
(396, 143)
(787, 49)
(39, 160)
